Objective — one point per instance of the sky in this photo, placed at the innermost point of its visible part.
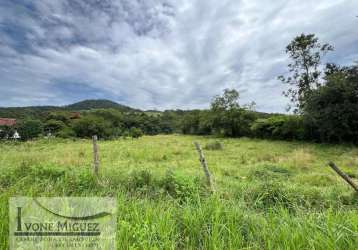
(161, 54)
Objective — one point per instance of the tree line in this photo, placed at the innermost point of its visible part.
(323, 98)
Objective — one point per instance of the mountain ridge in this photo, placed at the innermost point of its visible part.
(84, 105)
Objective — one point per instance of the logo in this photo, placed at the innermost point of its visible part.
(62, 223)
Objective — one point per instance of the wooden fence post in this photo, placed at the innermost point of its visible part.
(95, 155)
(205, 167)
(344, 176)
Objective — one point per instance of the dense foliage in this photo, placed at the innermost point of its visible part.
(30, 129)
(332, 109)
(279, 127)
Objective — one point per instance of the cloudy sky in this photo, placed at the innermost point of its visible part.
(161, 53)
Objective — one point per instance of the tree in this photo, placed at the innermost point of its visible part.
(306, 52)
(30, 129)
(228, 101)
(91, 125)
(198, 122)
(54, 126)
(6, 132)
(228, 118)
(332, 109)
(135, 133)
(283, 127)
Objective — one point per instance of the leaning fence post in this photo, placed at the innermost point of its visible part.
(95, 155)
(344, 176)
(205, 167)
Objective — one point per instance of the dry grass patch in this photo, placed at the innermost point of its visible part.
(300, 158)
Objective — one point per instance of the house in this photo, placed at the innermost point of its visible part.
(8, 122)
(16, 136)
(75, 115)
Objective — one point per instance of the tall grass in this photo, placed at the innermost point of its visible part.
(268, 196)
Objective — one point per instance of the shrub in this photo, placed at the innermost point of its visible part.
(332, 109)
(30, 129)
(180, 186)
(269, 172)
(214, 146)
(6, 131)
(135, 133)
(66, 132)
(279, 127)
(269, 194)
(91, 125)
(54, 126)
(140, 179)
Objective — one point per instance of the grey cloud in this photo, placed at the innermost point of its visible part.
(162, 53)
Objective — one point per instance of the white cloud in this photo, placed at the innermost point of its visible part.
(162, 54)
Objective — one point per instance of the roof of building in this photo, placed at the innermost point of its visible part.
(7, 122)
(75, 115)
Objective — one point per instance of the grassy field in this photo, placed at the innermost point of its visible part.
(270, 194)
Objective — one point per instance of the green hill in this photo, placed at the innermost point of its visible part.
(98, 104)
(38, 111)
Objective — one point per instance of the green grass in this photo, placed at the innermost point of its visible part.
(270, 194)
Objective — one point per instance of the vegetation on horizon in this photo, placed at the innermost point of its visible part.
(324, 99)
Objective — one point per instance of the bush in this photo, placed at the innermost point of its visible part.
(140, 179)
(30, 129)
(279, 127)
(6, 131)
(91, 125)
(332, 109)
(214, 146)
(269, 194)
(54, 126)
(66, 132)
(269, 172)
(135, 133)
(180, 186)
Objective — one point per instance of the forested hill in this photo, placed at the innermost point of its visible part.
(36, 111)
(98, 104)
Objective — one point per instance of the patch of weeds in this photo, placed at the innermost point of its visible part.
(229, 172)
(177, 152)
(181, 187)
(266, 157)
(314, 198)
(78, 183)
(317, 180)
(301, 158)
(47, 173)
(216, 145)
(243, 159)
(269, 172)
(140, 180)
(343, 198)
(271, 194)
(348, 199)
(274, 194)
(33, 174)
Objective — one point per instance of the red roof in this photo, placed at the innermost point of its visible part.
(75, 115)
(7, 122)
